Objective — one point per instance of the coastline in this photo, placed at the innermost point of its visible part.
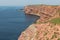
(33, 28)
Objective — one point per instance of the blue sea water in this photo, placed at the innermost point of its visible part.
(13, 22)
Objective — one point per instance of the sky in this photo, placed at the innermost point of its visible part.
(28, 2)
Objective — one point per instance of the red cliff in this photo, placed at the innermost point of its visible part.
(45, 12)
(45, 28)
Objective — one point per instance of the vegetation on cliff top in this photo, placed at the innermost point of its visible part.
(55, 21)
(42, 4)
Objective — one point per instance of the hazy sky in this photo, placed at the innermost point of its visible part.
(27, 2)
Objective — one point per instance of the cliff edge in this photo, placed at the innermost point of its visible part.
(46, 12)
(47, 27)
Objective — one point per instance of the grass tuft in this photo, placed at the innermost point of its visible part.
(55, 21)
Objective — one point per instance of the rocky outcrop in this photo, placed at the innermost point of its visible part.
(45, 12)
(45, 31)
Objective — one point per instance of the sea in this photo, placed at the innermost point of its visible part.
(13, 21)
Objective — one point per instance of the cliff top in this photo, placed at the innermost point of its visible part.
(42, 5)
(47, 27)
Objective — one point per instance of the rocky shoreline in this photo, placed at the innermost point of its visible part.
(41, 32)
(45, 12)
(44, 28)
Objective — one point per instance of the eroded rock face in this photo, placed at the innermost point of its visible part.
(45, 31)
(44, 11)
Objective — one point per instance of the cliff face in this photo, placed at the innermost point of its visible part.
(44, 11)
(46, 31)
(48, 26)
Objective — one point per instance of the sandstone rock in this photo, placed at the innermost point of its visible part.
(44, 31)
(45, 12)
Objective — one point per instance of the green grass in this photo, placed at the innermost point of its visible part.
(58, 39)
(55, 21)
